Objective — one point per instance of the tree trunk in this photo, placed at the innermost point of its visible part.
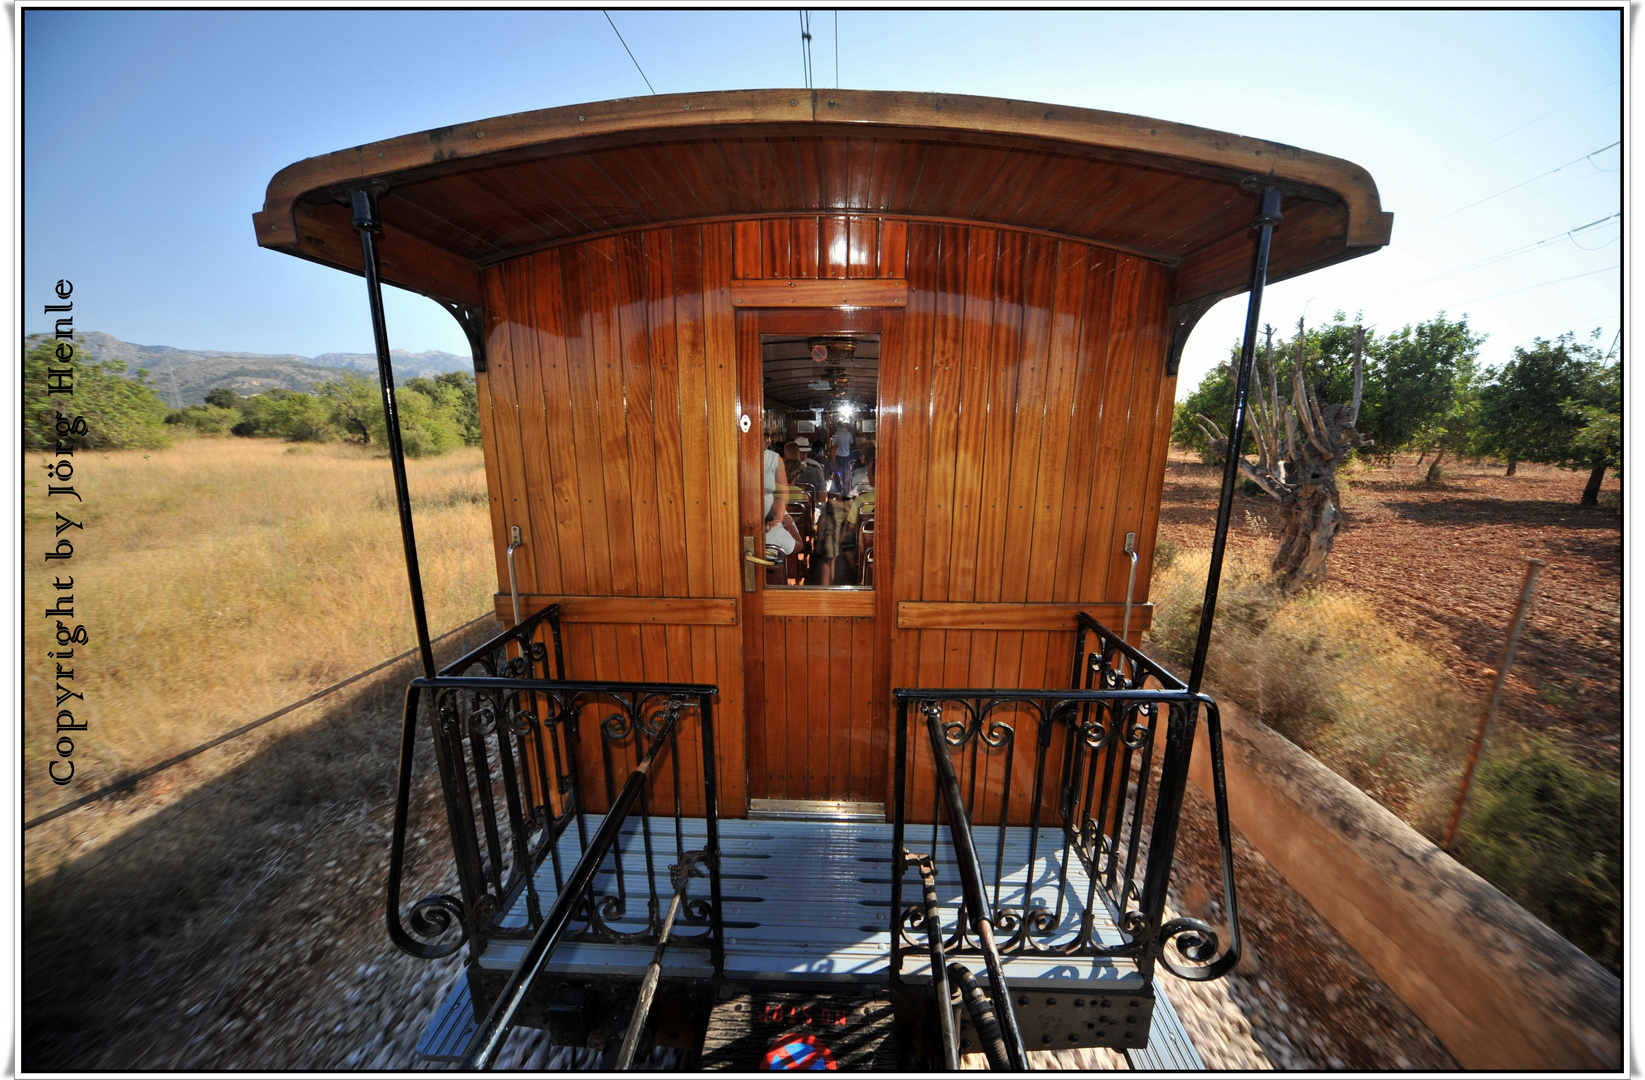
(1590, 494)
(1434, 475)
(1308, 529)
(1513, 466)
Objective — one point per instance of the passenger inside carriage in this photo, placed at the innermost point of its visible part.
(830, 530)
(803, 470)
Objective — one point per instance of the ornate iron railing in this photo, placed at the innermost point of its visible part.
(1103, 766)
(513, 742)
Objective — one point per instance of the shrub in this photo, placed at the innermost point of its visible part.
(122, 412)
(205, 419)
(427, 427)
(1321, 669)
(1548, 832)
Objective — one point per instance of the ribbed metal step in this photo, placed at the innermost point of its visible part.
(452, 1027)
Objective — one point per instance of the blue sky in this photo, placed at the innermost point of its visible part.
(149, 137)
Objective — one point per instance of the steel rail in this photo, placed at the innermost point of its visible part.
(488, 1040)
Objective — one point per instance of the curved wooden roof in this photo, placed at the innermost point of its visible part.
(460, 198)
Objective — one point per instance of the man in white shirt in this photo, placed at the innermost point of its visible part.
(841, 445)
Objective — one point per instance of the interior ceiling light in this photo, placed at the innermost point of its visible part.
(832, 350)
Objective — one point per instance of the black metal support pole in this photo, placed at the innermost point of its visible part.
(1266, 219)
(365, 220)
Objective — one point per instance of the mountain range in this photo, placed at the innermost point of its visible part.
(184, 376)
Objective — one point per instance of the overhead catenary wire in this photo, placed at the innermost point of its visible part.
(1515, 187)
(1542, 284)
(1521, 127)
(1521, 250)
(629, 51)
(805, 45)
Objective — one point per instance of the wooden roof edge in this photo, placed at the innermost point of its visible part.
(1368, 225)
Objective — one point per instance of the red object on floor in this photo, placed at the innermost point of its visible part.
(799, 1052)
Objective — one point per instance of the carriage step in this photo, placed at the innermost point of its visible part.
(854, 1031)
(452, 1026)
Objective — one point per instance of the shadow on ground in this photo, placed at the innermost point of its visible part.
(241, 926)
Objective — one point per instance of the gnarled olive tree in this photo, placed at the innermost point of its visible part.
(1299, 444)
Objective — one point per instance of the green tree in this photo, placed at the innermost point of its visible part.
(1423, 377)
(1328, 366)
(428, 424)
(224, 398)
(206, 419)
(1522, 413)
(356, 405)
(1598, 443)
(1559, 403)
(122, 412)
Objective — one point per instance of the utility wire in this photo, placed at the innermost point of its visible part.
(1541, 284)
(805, 45)
(1528, 196)
(629, 51)
(1510, 254)
(1515, 187)
(1521, 127)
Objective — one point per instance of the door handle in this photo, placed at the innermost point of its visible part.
(751, 559)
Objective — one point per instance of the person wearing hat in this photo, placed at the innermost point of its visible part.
(803, 469)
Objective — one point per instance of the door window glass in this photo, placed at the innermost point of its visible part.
(820, 440)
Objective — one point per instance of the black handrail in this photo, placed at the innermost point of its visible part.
(434, 915)
(488, 1040)
(976, 901)
(507, 740)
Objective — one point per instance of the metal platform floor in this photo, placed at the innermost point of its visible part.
(808, 902)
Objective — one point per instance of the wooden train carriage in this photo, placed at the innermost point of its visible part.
(994, 295)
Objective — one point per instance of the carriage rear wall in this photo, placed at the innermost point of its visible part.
(1023, 422)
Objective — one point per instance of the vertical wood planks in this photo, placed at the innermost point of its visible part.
(1027, 436)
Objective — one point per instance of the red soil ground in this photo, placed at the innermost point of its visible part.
(1444, 565)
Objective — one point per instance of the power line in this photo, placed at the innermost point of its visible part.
(805, 45)
(1540, 284)
(1515, 187)
(1521, 127)
(1510, 254)
(1528, 196)
(629, 51)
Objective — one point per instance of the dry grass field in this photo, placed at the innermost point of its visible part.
(223, 578)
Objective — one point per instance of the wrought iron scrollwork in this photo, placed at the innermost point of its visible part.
(1105, 762)
(506, 734)
(433, 917)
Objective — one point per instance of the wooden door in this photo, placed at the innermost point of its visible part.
(816, 651)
